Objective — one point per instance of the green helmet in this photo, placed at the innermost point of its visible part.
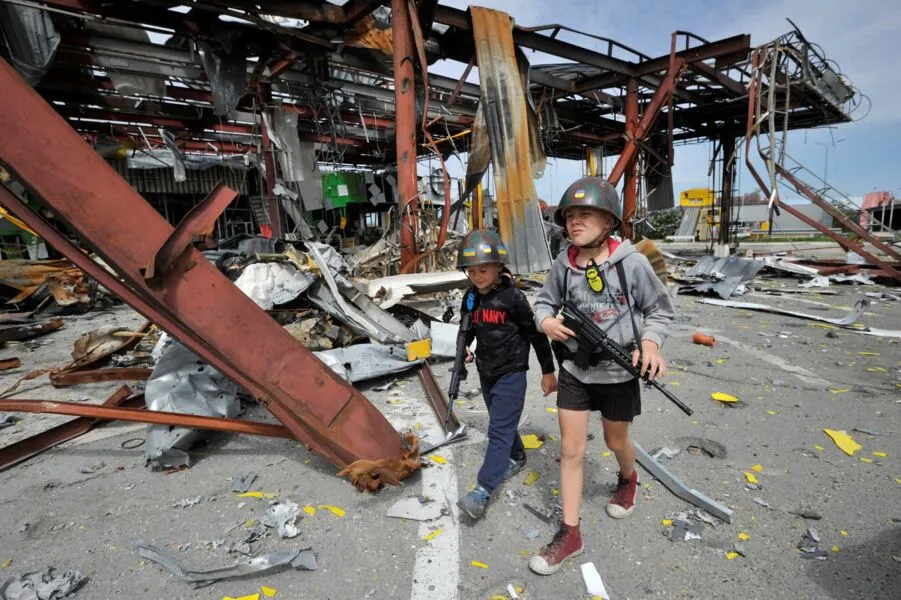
(481, 247)
(590, 191)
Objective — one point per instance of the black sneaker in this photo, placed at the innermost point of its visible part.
(516, 465)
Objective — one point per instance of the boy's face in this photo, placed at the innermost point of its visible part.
(484, 277)
(584, 225)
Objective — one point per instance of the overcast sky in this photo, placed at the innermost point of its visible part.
(862, 38)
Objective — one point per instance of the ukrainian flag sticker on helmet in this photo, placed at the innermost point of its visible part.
(486, 248)
(502, 251)
(580, 193)
(469, 251)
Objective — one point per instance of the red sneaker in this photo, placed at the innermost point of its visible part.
(567, 543)
(623, 501)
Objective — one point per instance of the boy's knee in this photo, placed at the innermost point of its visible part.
(572, 452)
(617, 441)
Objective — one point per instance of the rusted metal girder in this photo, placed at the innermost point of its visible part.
(67, 378)
(197, 304)
(137, 415)
(22, 450)
(405, 131)
(272, 206)
(436, 398)
(651, 112)
(630, 186)
(727, 147)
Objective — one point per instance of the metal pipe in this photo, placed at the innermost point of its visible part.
(630, 187)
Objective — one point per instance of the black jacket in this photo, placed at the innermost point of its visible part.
(503, 324)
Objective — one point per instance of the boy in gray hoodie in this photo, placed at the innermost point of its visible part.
(614, 284)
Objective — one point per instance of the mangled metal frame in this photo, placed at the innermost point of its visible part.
(191, 299)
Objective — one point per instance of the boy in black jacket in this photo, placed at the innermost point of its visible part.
(504, 326)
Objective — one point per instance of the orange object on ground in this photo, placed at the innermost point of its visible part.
(703, 339)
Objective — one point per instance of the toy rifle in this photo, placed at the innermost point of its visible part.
(458, 373)
(592, 339)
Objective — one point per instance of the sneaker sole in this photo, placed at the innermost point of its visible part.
(467, 513)
(621, 515)
(551, 569)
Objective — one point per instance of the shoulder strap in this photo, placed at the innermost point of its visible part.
(621, 272)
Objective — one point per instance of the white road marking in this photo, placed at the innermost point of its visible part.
(801, 373)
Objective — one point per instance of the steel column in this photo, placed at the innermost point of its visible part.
(630, 187)
(196, 304)
(275, 218)
(405, 130)
(727, 147)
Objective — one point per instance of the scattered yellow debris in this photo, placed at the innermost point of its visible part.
(667, 522)
(836, 549)
(249, 523)
(672, 383)
(843, 441)
(268, 591)
(433, 535)
(868, 353)
(531, 478)
(553, 437)
(750, 477)
(732, 555)
(865, 459)
(822, 325)
(839, 390)
(555, 491)
(757, 468)
(722, 397)
(309, 510)
(395, 401)
(418, 425)
(437, 458)
(523, 552)
(551, 409)
(258, 495)
(880, 454)
(478, 564)
(461, 402)
(674, 372)
(531, 442)
(843, 533)
(249, 597)
(744, 536)
(898, 481)
(606, 453)
(6, 563)
(877, 370)
(332, 509)
(721, 361)
(771, 412)
(818, 447)
(499, 597)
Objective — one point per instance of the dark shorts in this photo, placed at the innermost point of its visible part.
(616, 401)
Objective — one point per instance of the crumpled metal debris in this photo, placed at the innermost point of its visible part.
(809, 545)
(686, 527)
(319, 333)
(859, 307)
(664, 452)
(272, 283)
(728, 275)
(187, 502)
(415, 510)
(7, 420)
(299, 559)
(282, 516)
(183, 383)
(242, 482)
(47, 585)
(366, 361)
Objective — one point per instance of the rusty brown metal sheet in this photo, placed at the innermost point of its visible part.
(198, 305)
(436, 397)
(506, 118)
(7, 364)
(22, 450)
(136, 415)
(198, 222)
(18, 333)
(67, 378)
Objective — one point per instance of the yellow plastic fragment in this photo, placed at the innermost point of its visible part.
(671, 383)
(309, 510)
(732, 555)
(395, 401)
(667, 522)
(868, 353)
(757, 468)
(332, 509)
(721, 361)
(249, 523)
(523, 552)
(531, 442)
(433, 535)
(836, 549)
(723, 397)
(478, 564)
(553, 437)
(551, 409)
(744, 536)
(843, 533)
(880, 454)
(532, 478)
(437, 458)
(268, 591)
(818, 447)
(750, 477)
(898, 481)
(499, 597)
(6, 563)
(843, 441)
(605, 453)
(865, 459)
(822, 325)
(419, 349)
(250, 597)
(556, 492)
(876, 370)
(771, 412)
(839, 390)
(258, 495)
(674, 372)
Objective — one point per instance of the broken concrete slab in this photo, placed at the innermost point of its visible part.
(414, 509)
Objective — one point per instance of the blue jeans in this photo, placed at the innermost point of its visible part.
(505, 398)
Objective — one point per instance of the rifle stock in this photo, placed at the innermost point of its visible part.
(592, 338)
(459, 371)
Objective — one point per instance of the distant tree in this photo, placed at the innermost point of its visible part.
(660, 224)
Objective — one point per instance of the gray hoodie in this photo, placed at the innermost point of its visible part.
(650, 301)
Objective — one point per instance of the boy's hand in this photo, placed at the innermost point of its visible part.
(652, 361)
(549, 383)
(554, 328)
(469, 356)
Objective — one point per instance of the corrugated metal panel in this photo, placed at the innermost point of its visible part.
(506, 116)
(199, 181)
